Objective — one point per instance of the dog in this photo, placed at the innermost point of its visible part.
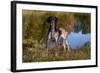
(64, 35)
(55, 34)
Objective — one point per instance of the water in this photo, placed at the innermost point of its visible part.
(77, 40)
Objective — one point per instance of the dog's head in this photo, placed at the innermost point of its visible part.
(52, 20)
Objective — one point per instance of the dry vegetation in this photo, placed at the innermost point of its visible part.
(40, 55)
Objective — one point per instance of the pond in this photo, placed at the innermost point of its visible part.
(78, 40)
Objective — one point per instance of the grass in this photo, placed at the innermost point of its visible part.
(43, 55)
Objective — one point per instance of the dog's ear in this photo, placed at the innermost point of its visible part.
(56, 19)
(48, 19)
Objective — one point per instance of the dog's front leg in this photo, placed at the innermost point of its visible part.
(68, 45)
(64, 45)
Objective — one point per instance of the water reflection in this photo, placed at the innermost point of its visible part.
(77, 40)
